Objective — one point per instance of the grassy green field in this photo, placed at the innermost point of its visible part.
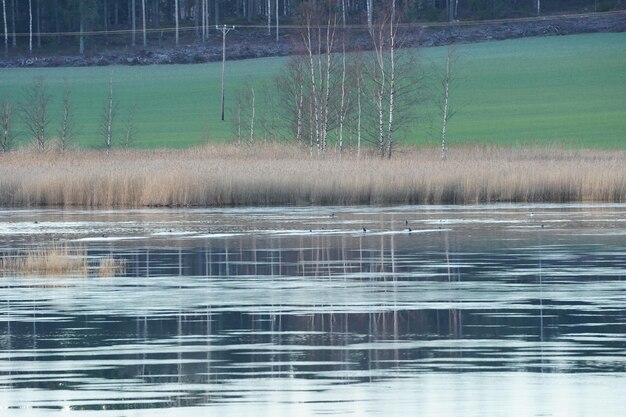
(569, 90)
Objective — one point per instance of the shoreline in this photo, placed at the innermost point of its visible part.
(286, 175)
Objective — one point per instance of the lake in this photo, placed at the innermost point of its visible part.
(516, 310)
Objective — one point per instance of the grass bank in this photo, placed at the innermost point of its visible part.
(273, 174)
(565, 89)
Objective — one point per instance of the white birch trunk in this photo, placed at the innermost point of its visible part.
(30, 26)
(277, 33)
(38, 8)
(269, 16)
(6, 29)
(299, 114)
(143, 20)
(133, 12)
(313, 84)
(252, 116)
(538, 7)
(446, 95)
(358, 120)
(81, 37)
(343, 95)
(330, 37)
(370, 14)
(109, 116)
(176, 19)
(392, 79)
(13, 24)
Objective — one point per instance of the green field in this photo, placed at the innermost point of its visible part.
(569, 89)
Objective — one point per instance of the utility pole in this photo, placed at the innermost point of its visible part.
(224, 29)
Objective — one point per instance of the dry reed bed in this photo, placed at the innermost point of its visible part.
(276, 174)
(59, 261)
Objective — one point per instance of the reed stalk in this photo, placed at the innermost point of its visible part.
(278, 174)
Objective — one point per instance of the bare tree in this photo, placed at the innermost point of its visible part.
(67, 130)
(34, 110)
(109, 113)
(130, 132)
(392, 78)
(6, 124)
(448, 83)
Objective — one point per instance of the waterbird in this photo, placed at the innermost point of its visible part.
(406, 222)
(332, 215)
(364, 230)
(409, 230)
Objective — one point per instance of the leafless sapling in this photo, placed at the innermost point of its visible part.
(130, 131)
(6, 125)
(107, 123)
(67, 130)
(34, 111)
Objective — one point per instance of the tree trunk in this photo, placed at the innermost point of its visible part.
(392, 78)
(81, 36)
(13, 24)
(252, 116)
(370, 14)
(133, 18)
(30, 26)
(268, 12)
(106, 22)
(446, 95)
(6, 30)
(538, 7)
(217, 12)
(143, 20)
(176, 19)
(277, 34)
(38, 10)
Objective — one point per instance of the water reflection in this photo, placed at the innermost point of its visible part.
(280, 317)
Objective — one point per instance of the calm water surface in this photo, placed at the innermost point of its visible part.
(476, 311)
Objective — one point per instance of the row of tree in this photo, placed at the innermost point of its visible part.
(328, 98)
(33, 23)
(33, 112)
(331, 98)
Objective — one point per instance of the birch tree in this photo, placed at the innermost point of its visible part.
(133, 19)
(6, 126)
(67, 130)
(109, 113)
(34, 110)
(449, 83)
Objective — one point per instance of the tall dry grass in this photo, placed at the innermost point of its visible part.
(59, 261)
(225, 175)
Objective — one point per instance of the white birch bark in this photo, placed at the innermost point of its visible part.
(109, 118)
(30, 26)
(133, 18)
(358, 120)
(176, 19)
(277, 33)
(392, 78)
(269, 16)
(446, 96)
(370, 14)
(6, 29)
(143, 19)
(252, 116)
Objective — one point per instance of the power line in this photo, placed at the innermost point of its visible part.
(462, 23)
